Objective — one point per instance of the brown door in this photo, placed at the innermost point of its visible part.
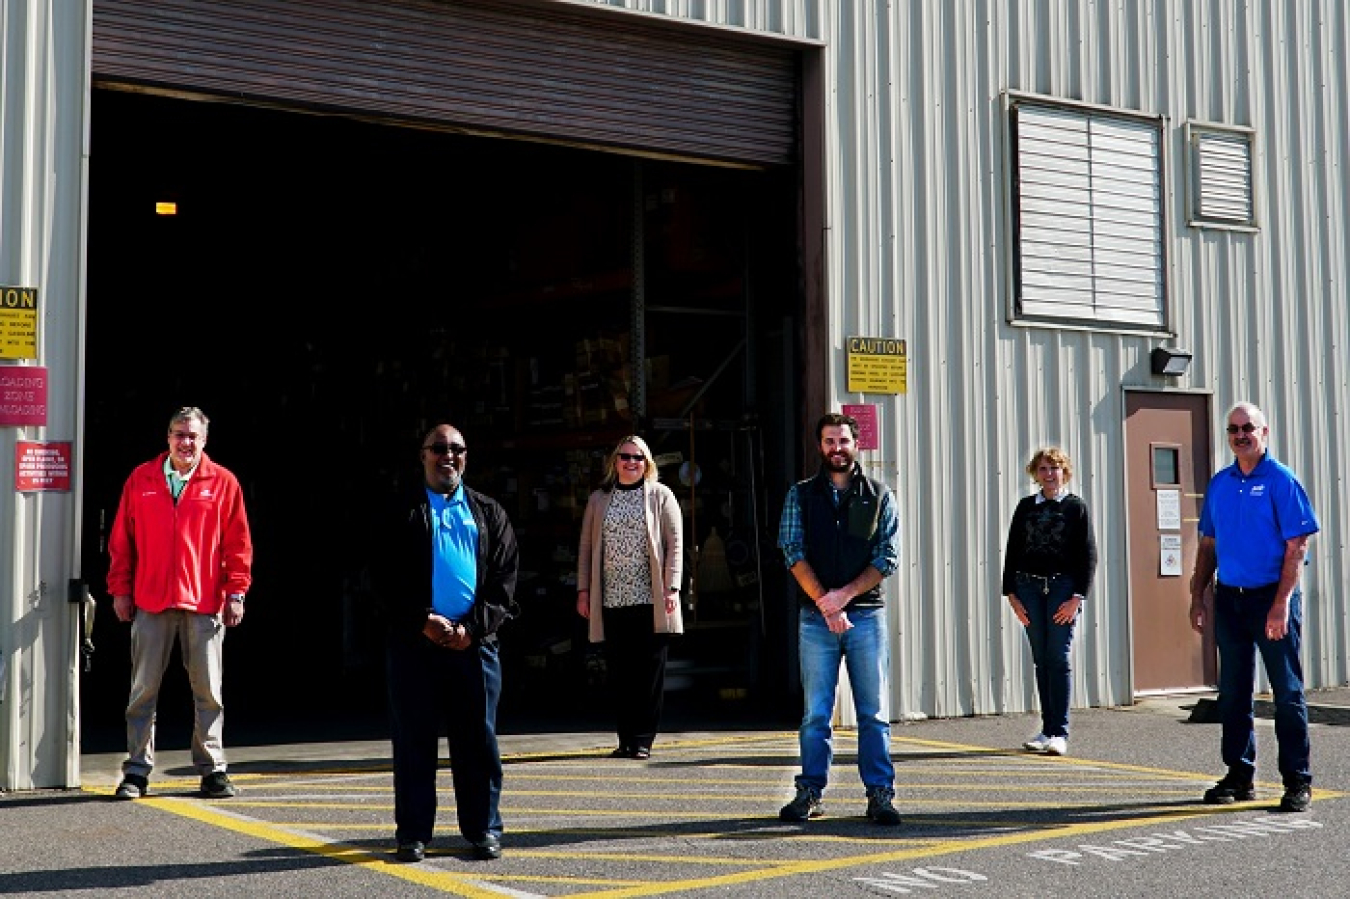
(1167, 467)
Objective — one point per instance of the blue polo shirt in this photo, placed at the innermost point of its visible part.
(454, 554)
(1250, 516)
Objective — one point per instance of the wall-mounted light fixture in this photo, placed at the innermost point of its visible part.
(1170, 361)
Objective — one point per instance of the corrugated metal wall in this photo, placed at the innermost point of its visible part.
(917, 248)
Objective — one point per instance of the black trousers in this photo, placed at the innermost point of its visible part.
(431, 687)
(635, 657)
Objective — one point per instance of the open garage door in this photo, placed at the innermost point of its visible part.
(598, 77)
(329, 288)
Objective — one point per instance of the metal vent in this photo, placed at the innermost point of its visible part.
(1089, 217)
(1223, 177)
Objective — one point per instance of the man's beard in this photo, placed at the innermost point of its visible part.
(832, 465)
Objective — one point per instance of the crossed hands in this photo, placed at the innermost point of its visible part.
(831, 605)
(446, 633)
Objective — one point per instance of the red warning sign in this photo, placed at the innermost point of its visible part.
(42, 465)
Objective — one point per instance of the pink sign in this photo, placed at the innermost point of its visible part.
(41, 465)
(866, 416)
(23, 395)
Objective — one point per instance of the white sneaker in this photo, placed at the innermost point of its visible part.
(1037, 743)
(1057, 746)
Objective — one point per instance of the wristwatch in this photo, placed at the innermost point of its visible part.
(236, 597)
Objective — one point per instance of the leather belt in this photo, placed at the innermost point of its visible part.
(1242, 591)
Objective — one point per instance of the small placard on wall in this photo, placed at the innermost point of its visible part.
(1169, 510)
(1169, 555)
(42, 465)
(866, 416)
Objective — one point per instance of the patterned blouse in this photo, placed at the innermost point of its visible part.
(627, 568)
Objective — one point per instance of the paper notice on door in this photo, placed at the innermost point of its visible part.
(1169, 555)
(1169, 510)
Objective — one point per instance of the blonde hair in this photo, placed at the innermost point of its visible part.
(1053, 454)
(612, 462)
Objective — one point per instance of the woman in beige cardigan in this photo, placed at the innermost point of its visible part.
(628, 587)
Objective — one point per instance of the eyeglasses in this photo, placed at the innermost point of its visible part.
(445, 449)
(632, 457)
(184, 435)
(1242, 429)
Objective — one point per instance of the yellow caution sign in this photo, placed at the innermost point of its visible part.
(18, 322)
(877, 365)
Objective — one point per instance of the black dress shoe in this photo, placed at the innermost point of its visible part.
(623, 752)
(488, 848)
(411, 851)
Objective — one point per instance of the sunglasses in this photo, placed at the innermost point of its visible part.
(445, 449)
(632, 457)
(1242, 429)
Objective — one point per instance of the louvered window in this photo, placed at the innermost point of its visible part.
(1088, 217)
(1221, 176)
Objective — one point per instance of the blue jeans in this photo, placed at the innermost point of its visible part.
(1050, 643)
(1240, 631)
(866, 652)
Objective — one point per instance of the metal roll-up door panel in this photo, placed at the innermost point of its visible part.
(525, 69)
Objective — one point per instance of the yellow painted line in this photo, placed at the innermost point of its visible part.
(875, 858)
(783, 737)
(462, 885)
(446, 882)
(711, 836)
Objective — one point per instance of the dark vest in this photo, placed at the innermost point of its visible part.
(838, 541)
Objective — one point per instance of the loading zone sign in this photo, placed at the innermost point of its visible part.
(877, 365)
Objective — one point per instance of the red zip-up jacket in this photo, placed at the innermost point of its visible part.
(189, 555)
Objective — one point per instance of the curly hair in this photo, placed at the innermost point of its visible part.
(1052, 454)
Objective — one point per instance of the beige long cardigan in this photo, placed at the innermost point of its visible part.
(665, 551)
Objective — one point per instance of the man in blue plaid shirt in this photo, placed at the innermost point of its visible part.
(840, 538)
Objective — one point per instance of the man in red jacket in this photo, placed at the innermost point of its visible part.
(180, 564)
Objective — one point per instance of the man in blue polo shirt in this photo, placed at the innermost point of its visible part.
(446, 573)
(1254, 531)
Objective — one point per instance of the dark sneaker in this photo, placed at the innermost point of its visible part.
(879, 808)
(806, 805)
(411, 851)
(1228, 791)
(1297, 798)
(133, 786)
(216, 785)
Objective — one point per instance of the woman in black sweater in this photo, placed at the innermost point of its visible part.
(1047, 572)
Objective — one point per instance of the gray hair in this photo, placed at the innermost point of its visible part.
(1252, 411)
(187, 413)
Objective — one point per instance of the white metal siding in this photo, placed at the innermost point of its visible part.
(917, 248)
(43, 88)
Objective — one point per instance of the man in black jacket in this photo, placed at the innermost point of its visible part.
(840, 539)
(446, 578)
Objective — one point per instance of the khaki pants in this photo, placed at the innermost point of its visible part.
(201, 641)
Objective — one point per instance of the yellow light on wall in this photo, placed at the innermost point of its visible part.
(166, 209)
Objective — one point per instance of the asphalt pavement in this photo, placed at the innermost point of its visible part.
(1120, 816)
